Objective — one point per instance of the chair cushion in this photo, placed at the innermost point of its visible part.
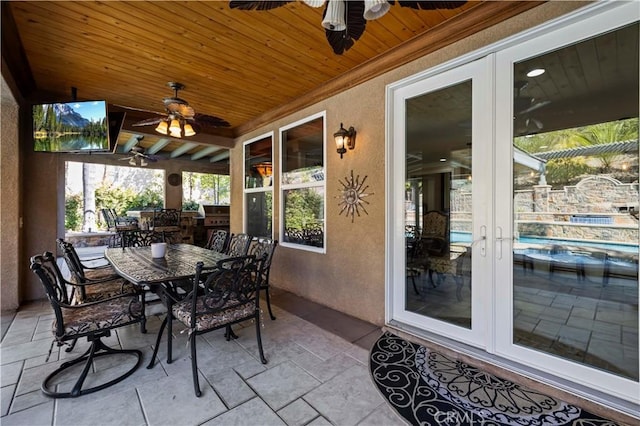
(208, 321)
(100, 274)
(106, 290)
(85, 319)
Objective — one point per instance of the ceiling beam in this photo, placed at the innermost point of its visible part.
(219, 157)
(156, 147)
(183, 149)
(203, 152)
(133, 141)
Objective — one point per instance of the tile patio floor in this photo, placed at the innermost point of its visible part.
(317, 374)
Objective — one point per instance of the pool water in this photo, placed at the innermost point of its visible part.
(465, 237)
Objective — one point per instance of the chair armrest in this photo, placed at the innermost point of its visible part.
(89, 281)
(95, 302)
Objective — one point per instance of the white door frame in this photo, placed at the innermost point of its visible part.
(482, 171)
(579, 379)
(505, 59)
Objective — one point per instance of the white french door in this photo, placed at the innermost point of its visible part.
(566, 242)
(442, 165)
(526, 152)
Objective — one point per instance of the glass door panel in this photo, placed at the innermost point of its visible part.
(438, 167)
(570, 241)
(575, 276)
(440, 118)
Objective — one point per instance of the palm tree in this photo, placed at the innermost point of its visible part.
(604, 133)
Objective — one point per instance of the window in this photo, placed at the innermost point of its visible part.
(258, 186)
(303, 183)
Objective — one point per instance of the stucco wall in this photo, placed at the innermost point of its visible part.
(350, 277)
(9, 201)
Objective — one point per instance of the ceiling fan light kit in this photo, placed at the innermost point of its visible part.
(344, 21)
(374, 9)
(334, 16)
(314, 3)
(179, 119)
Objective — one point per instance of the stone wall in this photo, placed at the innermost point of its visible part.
(597, 208)
(88, 239)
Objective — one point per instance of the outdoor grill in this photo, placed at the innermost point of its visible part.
(215, 217)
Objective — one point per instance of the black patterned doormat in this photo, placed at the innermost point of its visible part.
(428, 388)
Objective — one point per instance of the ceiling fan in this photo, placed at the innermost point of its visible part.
(179, 119)
(345, 20)
(138, 157)
(523, 106)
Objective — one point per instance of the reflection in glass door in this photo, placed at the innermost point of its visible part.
(439, 178)
(567, 111)
(440, 118)
(575, 276)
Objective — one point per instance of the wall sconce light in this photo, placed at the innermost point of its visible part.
(345, 139)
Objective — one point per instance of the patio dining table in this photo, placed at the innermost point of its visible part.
(138, 266)
(164, 276)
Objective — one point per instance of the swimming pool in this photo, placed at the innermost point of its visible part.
(465, 237)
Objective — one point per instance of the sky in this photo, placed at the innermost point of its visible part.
(92, 110)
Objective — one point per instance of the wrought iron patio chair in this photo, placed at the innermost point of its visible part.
(416, 261)
(167, 223)
(239, 244)
(218, 241)
(99, 272)
(265, 247)
(142, 238)
(82, 274)
(93, 320)
(118, 223)
(101, 287)
(220, 296)
(435, 233)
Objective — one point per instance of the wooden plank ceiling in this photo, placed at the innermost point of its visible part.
(247, 67)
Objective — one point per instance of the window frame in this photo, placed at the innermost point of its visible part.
(316, 184)
(262, 189)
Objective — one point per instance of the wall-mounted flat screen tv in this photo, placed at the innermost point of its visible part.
(80, 126)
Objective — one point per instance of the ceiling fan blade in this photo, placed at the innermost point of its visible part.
(341, 41)
(256, 5)
(431, 5)
(150, 121)
(210, 121)
(535, 106)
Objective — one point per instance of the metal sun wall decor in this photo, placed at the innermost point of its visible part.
(352, 193)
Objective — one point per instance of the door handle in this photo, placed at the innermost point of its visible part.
(483, 241)
(499, 240)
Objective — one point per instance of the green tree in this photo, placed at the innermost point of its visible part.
(73, 212)
(604, 133)
(569, 170)
(123, 200)
(303, 208)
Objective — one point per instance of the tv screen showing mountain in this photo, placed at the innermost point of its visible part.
(80, 126)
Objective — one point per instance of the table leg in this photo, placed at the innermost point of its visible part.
(169, 333)
(155, 349)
